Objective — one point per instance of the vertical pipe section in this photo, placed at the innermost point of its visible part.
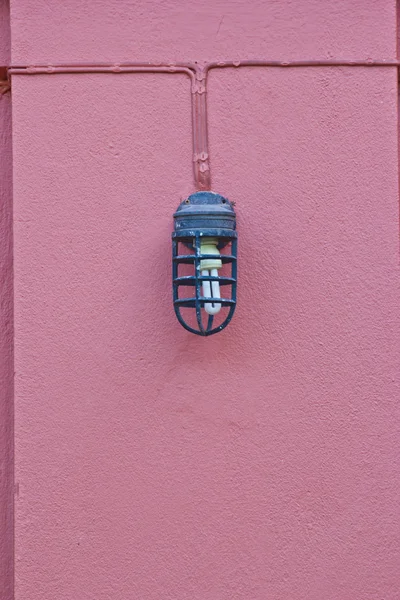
(202, 174)
(398, 102)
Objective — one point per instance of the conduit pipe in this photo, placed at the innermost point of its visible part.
(369, 62)
(130, 68)
(198, 76)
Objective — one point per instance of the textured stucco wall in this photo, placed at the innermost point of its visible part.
(260, 463)
(6, 323)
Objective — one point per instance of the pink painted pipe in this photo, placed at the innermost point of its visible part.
(301, 63)
(199, 109)
(198, 76)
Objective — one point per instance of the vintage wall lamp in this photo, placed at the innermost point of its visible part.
(204, 225)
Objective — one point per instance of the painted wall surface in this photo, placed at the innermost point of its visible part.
(261, 463)
(6, 323)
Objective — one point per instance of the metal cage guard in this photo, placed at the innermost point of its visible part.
(204, 215)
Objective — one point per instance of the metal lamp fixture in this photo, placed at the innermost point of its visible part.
(204, 260)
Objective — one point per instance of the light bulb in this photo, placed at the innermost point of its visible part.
(210, 266)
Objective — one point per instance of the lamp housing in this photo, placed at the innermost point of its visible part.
(204, 259)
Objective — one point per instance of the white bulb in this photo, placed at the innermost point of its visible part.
(210, 263)
(212, 308)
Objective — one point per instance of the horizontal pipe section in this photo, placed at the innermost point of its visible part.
(301, 63)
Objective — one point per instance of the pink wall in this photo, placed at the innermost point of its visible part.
(260, 463)
(6, 323)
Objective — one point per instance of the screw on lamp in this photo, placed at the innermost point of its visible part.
(204, 260)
